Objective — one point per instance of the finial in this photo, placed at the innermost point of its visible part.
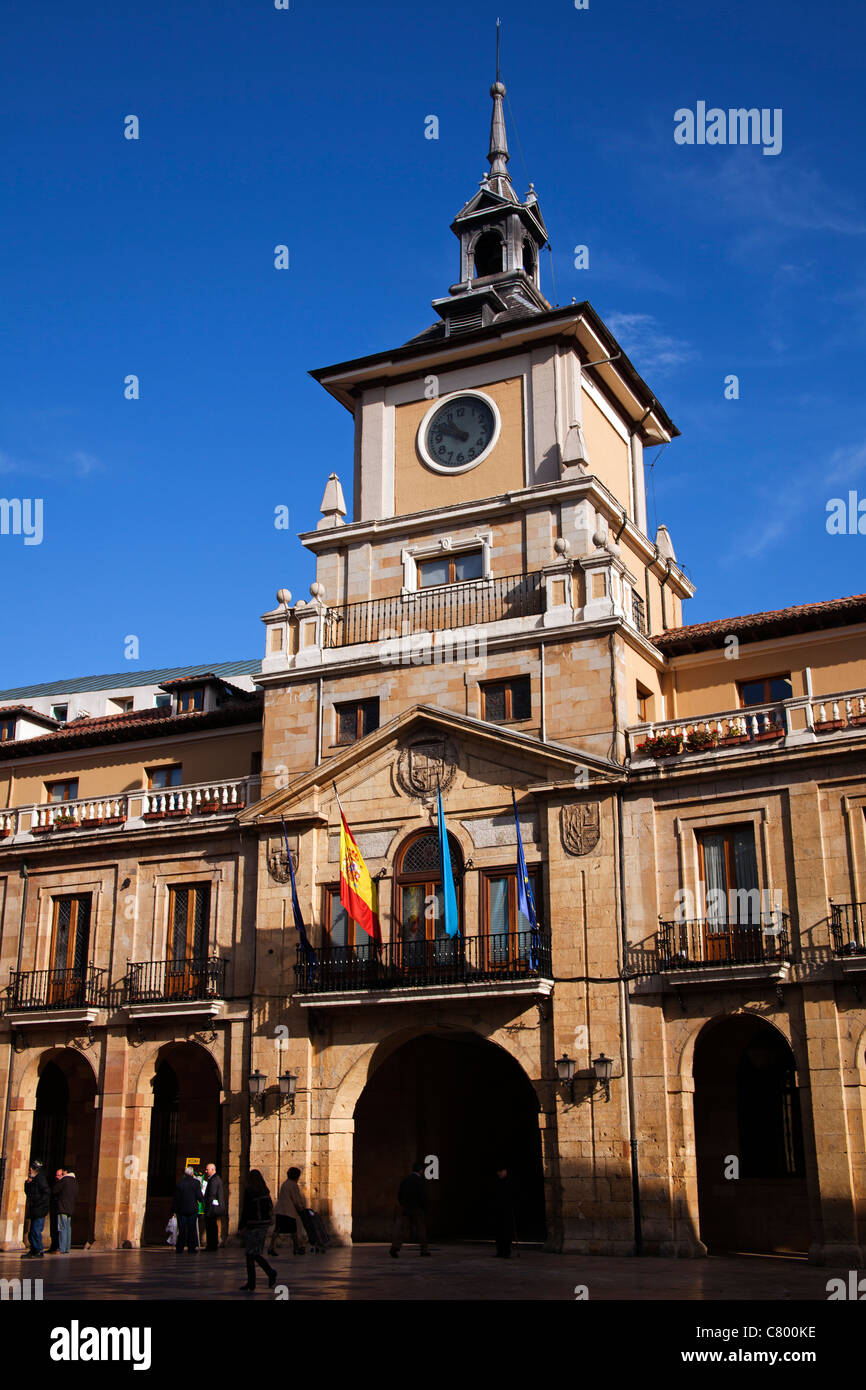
(498, 156)
(498, 27)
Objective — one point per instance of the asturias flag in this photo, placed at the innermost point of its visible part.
(358, 892)
(449, 897)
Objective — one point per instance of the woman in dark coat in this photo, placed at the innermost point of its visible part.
(256, 1216)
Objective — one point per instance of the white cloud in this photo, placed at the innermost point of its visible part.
(650, 349)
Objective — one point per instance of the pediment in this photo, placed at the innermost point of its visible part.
(402, 763)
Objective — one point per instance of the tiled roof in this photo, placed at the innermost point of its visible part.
(31, 713)
(135, 724)
(757, 627)
(121, 680)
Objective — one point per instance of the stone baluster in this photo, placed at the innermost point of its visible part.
(822, 714)
(835, 710)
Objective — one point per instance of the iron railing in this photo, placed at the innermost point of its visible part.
(153, 981)
(443, 608)
(683, 945)
(445, 961)
(56, 989)
(638, 612)
(848, 928)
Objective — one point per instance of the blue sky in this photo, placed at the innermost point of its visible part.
(306, 127)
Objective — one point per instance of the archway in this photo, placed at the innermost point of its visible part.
(185, 1123)
(489, 255)
(749, 1139)
(468, 1104)
(64, 1131)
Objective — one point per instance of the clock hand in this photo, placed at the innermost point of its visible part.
(452, 429)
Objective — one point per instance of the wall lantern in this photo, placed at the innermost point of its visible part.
(288, 1087)
(565, 1069)
(603, 1068)
(258, 1082)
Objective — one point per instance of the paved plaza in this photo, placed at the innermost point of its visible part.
(454, 1272)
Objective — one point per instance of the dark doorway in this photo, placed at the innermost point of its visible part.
(64, 1131)
(749, 1139)
(185, 1123)
(464, 1102)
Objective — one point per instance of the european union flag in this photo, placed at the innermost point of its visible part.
(525, 900)
(296, 906)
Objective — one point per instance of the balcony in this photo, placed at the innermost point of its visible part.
(701, 951)
(785, 723)
(132, 810)
(157, 988)
(445, 608)
(848, 934)
(41, 995)
(399, 972)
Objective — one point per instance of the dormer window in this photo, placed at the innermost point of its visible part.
(451, 569)
(163, 701)
(7, 730)
(60, 713)
(190, 700)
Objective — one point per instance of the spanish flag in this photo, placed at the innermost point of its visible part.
(358, 893)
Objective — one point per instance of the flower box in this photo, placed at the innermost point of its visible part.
(829, 726)
(767, 734)
(732, 740)
(857, 720)
(40, 829)
(153, 815)
(207, 807)
(175, 814)
(4, 834)
(665, 746)
(700, 740)
(111, 820)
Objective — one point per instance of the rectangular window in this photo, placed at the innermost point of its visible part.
(507, 933)
(346, 939)
(60, 713)
(356, 719)
(502, 701)
(122, 704)
(765, 690)
(190, 700)
(160, 777)
(70, 940)
(739, 923)
(188, 917)
(644, 704)
(255, 762)
(7, 730)
(162, 701)
(451, 569)
(62, 791)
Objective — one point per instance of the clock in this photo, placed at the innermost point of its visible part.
(458, 432)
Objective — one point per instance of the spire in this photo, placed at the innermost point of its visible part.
(498, 156)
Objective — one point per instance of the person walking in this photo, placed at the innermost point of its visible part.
(502, 1212)
(256, 1214)
(214, 1207)
(184, 1205)
(52, 1212)
(411, 1221)
(290, 1210)
(38, 1195)
(66, 1191)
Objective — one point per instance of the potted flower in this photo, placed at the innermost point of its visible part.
(699, 740)
(771, 731)
(66, 821)
(662, 746)
(208, 807)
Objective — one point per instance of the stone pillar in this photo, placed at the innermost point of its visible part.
(18, 1138)
(834, 1234)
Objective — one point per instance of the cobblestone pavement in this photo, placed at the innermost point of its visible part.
(461, 1272)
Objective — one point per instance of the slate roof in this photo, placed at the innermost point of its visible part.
(120, 680)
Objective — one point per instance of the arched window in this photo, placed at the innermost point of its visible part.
(528, 257)
(488, 254)
(419, 914)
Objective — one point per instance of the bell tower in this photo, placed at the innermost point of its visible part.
(501, 239)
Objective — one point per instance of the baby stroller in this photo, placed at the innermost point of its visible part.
(317, 1235)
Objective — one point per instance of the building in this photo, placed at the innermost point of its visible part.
(677, 1060)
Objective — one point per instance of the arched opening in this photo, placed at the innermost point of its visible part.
(185, 1126)
(749, 1139)
(468, 1105)
(419, 909)
(528, 257)
(64, 1131)
(488, 254)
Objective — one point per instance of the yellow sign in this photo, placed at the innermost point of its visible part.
(191, 1162)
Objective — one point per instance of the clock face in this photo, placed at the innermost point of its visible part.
(460, 432)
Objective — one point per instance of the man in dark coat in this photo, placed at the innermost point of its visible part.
(502, 1212)
(411, 1222)
(214, 1206)
(52, 1212)
(65, 1197)
(184, 1205)
(38, 1203)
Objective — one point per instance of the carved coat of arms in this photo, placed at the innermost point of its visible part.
(580, 827)
(426, 764)
(278, 864)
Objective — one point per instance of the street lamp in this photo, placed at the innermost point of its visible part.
(603, 1068)
(565, 1069)
(258, 1081)
(288, 1087)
